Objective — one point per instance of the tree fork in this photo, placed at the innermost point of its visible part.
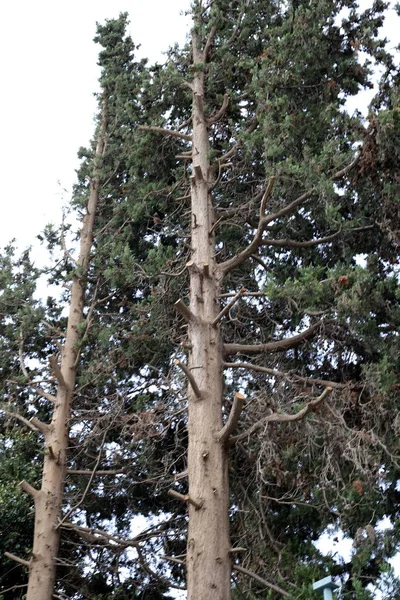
(49, 499)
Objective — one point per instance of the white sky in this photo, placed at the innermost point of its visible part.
(49, 73)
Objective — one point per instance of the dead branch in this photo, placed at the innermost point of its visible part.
(233, 418)
(88, 486)
(190, 377)
(220, 113)
(268, 584)
(18, 417)
(287, 375)
(21, 561)
(278, 346)
(283, 417)
(228, 307)
(266, 196)
(178, 134)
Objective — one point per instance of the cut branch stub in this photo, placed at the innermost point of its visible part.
(190, 377)
(17, 559)
(29, 489)
(233, 419)
(181, 307)
(185, 498)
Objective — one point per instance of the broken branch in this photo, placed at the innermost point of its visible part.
(233, 418)
(178, 134)
(284, 417)
(181, 307)
(228, 307)
(190, 377)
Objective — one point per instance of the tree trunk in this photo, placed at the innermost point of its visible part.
(208, 558)
(49, 499)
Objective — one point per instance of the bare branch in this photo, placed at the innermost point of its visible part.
(190, 377)
(272, 586)
(345, 170)
(88, 486)
(278, 346)
(18, 417)
(287, 375)
(178, 134)
(286, 243)
(24, 370)
(21, 561)
(266, 195)
(233, 418)
(284, 417)
(228, 307)
(39, 425)
(220, 113)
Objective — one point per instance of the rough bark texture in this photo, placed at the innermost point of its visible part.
(49, 499)
(208, 558)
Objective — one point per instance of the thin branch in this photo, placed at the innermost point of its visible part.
(286, 243)
(14, 587)
(18, 417)
(266, 196)
(21, 561)
(283, 417)
(233, 418)
(178, 134)
(152, 573)
(88, 486)
(278, 346)
(90, 473)
(178, 561)
(220, 113)
(268, 584)
(35, 388)
(345, 170)
(287, 375)
(190, 377)
(228, 307)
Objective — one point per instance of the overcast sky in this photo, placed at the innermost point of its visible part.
(49, 74)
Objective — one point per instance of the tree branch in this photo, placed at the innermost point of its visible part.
(272, 586)
(274, 373)
(28, 488)
(57, 371)
(181, 307)
(178, 134)
(286, 243)
(18, 417)
(21, 561)
(284, 417)
(278, 346)
(220, 113)
(228, 307)
(233, 418)
(190, 377)
(185, 498)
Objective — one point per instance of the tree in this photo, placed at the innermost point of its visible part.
(284, 189)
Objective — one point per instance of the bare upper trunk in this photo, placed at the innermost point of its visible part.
(208, 558)
(49, 499)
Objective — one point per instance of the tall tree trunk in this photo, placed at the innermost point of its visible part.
(49, 499)
(208, 558)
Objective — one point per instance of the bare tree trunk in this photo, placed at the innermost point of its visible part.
(49, 499)
(208, 558)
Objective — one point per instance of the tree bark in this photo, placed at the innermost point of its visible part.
(208, 558)
(49, 499)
